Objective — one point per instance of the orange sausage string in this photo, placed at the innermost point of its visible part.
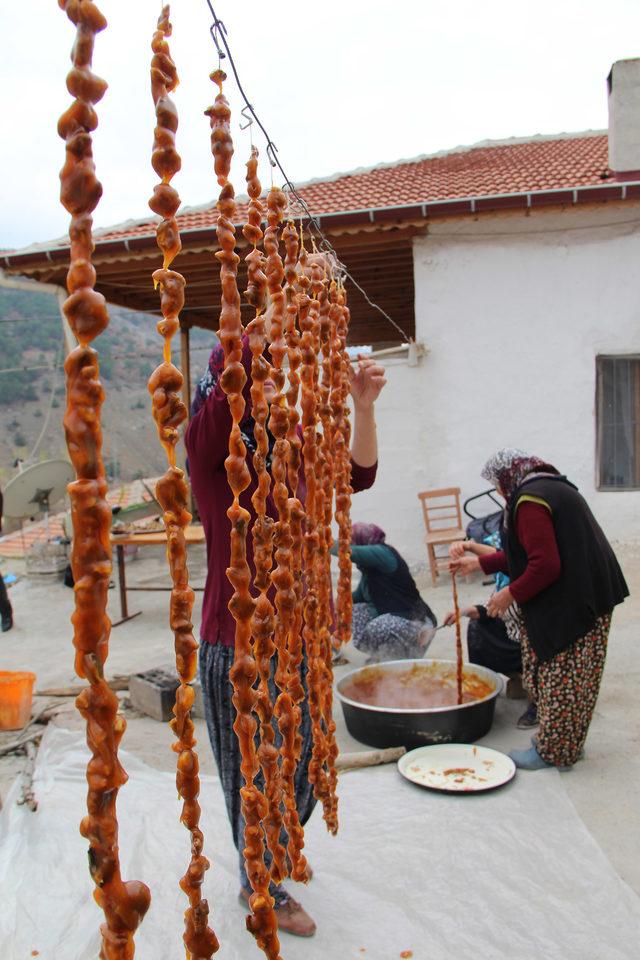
(456, 610)
(327, 336)
(262, 922)
(263, 623)
(296, 518)
(341, 441)
(324, 507)
(172, 492)
(312, 609)
(124, 903)
(281, 419)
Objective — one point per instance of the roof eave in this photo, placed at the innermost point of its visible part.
(456, 207)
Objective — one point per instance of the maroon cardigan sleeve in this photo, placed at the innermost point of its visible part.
(494, 562)
(207, 434)
(534, 527)
(362, 477)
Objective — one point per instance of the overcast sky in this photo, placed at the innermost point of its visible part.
(338, 84)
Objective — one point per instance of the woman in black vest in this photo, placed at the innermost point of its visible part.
(391, 621)
(566, 580)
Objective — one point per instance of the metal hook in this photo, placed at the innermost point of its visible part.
(271, 153)
(218, 29)
(246, 113)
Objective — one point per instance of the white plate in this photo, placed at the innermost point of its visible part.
(457, 767)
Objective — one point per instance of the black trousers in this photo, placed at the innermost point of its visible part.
(490, 646)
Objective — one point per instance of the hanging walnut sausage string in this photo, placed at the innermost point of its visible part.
(296, 517)
(298, 513)
(124, 903)
(341, 431)
(322, 518)
(280, 424)
(338, 385)
(342, 437)
(310, 327)
(281, 575)
(328, 323)
(262, 922)
(292, 337)
(172, 492)
(263, 622)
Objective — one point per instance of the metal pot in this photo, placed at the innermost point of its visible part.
(398, 726)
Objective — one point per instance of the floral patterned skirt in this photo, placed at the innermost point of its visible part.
(565, 690)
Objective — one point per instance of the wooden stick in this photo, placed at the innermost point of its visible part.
(368, 758)
(456, 609)
(21, 742)
(119, 682)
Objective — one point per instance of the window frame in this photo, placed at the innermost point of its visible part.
(600, 487)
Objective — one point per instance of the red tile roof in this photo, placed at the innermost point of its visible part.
(494, 168)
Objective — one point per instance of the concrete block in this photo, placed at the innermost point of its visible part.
(153, 693)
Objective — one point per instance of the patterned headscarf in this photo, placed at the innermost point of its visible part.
(209, 379)
(208, 382)
(364, 534)
(508, 468)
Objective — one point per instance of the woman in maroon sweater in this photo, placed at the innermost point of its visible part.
(207, 443)
(566, 580)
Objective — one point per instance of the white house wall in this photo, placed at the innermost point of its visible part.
(514, 311)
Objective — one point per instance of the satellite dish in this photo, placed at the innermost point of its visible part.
(38, 488)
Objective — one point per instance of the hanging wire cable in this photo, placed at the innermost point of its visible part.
(218, 33)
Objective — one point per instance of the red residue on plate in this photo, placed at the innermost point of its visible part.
(35, 953)
(406, 954)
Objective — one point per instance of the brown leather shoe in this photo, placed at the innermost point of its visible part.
(291, 915)
(294, 919)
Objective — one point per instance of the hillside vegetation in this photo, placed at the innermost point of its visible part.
(31, 337)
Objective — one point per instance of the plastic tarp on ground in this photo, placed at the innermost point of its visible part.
(509, 874)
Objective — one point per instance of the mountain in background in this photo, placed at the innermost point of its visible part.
(32, 401)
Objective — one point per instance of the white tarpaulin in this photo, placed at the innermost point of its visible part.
(509, 874)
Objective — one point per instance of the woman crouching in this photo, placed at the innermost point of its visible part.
(391, 621)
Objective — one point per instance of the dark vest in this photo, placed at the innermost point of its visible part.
(591, 582)
(397, 592)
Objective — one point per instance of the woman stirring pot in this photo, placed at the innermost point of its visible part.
(566, 580)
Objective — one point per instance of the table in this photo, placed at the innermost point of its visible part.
(193, 534)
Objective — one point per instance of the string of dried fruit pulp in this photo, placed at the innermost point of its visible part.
(172, 492)
(342, 459)
(262, 923)
(124, 902)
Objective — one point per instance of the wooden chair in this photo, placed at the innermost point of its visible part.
(443, 522)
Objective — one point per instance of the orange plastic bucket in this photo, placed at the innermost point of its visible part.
(16, 692)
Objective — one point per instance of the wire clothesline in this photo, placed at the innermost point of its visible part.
(218, 33)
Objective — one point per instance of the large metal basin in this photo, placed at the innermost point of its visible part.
(391, 726)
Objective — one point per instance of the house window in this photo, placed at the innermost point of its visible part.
(618, 422)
